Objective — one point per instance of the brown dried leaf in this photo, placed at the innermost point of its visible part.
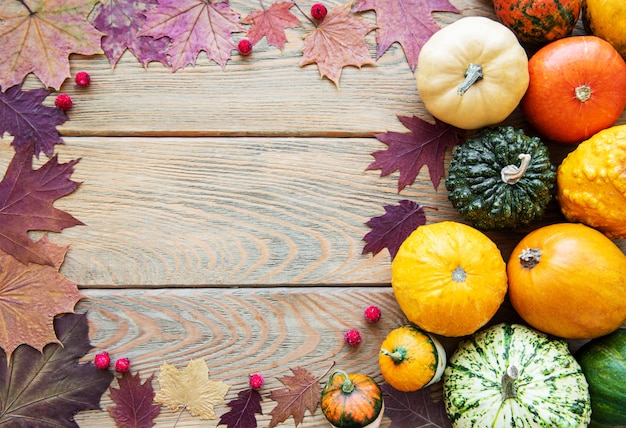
(302, 392)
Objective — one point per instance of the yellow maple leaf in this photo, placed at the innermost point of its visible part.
(190, 388)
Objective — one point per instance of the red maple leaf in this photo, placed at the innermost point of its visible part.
(134, 406)
(337, 42)
(194, 26)
(302, 392)
(271, 23)
(23, 115)
(408, 22)
(26, 198)
(120, 21)
(243, 410)
(392, 228)
(426, 144)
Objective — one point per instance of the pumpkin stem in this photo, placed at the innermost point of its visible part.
(508, 383)
(473, 74)
(530, 257)
(397, 356)
(511, 174)
(347, 386)
(583, 93)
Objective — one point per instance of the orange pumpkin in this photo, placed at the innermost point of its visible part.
(577, 87)
(568, 280)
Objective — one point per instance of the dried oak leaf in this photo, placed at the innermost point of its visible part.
(425, 144)
(47, 389)
(193, 26)
(31, 295)
(414, 409)
(302, 392)
(26, 198)
(271, 23)
(392, 228)
(23, 115)
(134, 406)
(191, 389)
(408, 22)
(243, 410)
(120, 21)
(337, 42)
(39, 35)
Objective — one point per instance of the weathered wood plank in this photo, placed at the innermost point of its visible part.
(239, 332)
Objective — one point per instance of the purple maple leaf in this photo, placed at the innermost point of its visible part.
(392, 228)
(134, 406)
(23, 115)
(426, 144)
(243, 410)
(414, 409)
(120, 21)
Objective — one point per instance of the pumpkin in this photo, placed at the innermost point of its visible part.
(448, 278)
(603, 361)
(537, 22)
(411, 359)
(569, 280)
(501, 178)
(472, 73)
(607, 20)
(577, 88)
(352, 400)
(591, 182)
(510, 375)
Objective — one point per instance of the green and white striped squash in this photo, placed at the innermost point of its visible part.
(510, 375)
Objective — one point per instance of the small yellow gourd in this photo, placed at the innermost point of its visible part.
(591, 182)
(472, 73)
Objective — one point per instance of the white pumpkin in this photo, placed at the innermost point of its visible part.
(510, 375)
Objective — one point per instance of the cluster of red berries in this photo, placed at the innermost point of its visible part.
(103, 361)
(353, 337)
(64, 101)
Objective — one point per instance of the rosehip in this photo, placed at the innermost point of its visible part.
(256, 381)
(122, 365)
(82, 79)
(63, 102)
(352, 337)
(372, 313)
(244, 47)
(318, 11)
(102, 360)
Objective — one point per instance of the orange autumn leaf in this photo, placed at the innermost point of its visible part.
(38, 36)
(31, 295)
(337, 42)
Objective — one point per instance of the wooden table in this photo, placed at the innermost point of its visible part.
(225, 211)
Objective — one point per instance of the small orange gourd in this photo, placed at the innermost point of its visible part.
(411, 359)
(568, 280)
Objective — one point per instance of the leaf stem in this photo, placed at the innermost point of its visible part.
(30, 12)
(305, 15)
(179, 415)
(262, 5)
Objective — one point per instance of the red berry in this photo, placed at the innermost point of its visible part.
(352, 337)
(82, 79)
(256, 381)
(372, 313)
(122, 365)
(318, 11)
(244, 46)
(102, 360)
(63, 102)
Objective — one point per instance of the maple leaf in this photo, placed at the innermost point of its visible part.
(302, 392)
(426, 144)
(337, 42)
(414, 409)
(271, 23)
(392, 228)
(243, 409)
(38, 37)
(190, 389)
(408, 22)
(133, 402)
(31, 295)
(47, 389)
(120, 21)
(193, 26)
(23, 115)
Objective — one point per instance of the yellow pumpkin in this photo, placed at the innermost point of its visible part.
(591, 182)
(449, 278)
(472, 73)
(568, 280)
(607, 20)
(411, 359)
